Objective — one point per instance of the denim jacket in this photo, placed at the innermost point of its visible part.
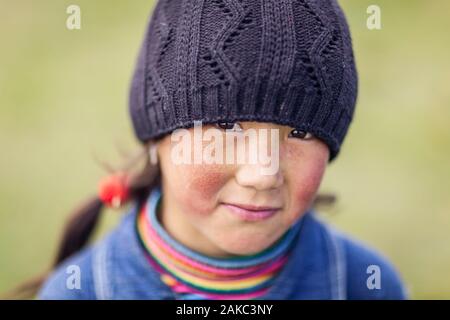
(324, 264)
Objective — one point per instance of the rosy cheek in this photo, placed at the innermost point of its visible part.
(309, 180)
(306, 174)
(207, 180)
(203, 183)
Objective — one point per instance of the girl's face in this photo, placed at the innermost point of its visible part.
(197, 204)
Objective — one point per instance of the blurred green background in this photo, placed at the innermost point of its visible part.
(63, 99)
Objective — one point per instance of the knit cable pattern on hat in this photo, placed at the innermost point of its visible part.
(288, 62)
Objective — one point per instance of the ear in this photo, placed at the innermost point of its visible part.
(153, 148)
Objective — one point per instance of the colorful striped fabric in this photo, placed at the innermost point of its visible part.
(196, 276)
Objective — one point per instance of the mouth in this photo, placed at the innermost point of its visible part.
(251, 213)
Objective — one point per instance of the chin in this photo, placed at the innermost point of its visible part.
(247, 245)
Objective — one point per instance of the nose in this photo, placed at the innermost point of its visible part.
(252, 176)
(256, 174)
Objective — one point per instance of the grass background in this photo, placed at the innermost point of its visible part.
(63, 99)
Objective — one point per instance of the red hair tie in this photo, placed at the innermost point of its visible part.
(113, 190)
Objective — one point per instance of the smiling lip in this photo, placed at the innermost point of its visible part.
(251, 213)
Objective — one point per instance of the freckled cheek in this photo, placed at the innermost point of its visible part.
(305, 184)
(304, 169)
(303, 177)
(202, 186)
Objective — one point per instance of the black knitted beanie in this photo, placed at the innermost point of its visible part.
(288, 62)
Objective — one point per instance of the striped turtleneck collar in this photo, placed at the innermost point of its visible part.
(196, 276)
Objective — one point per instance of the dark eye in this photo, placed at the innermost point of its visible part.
(301, 134)
(229, 126)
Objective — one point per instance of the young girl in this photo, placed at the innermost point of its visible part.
(229, 230)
